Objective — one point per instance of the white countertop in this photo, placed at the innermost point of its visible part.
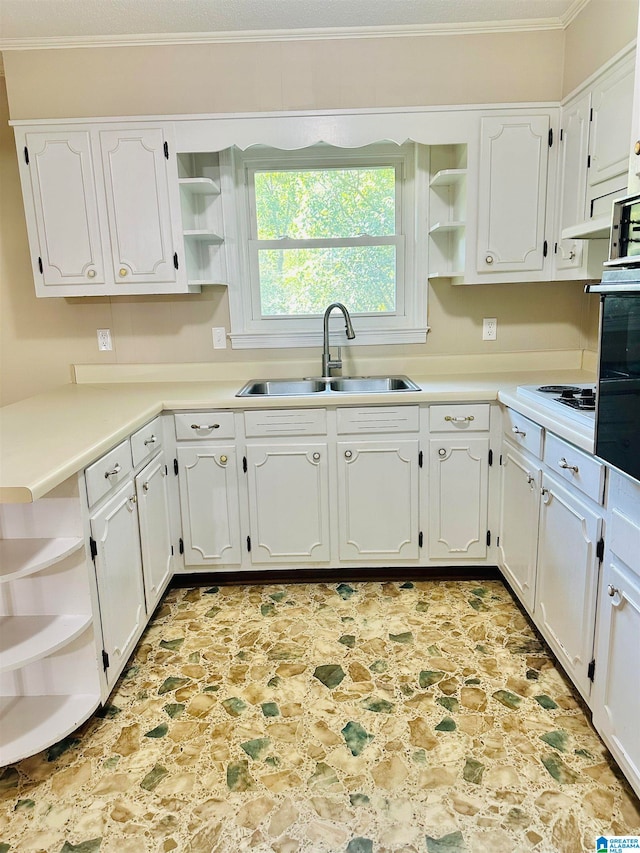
(47, 438)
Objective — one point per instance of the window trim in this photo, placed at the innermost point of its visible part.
(406, 325)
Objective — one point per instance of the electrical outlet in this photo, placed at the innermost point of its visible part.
(489, 329)
(104, 340)
(219, 337)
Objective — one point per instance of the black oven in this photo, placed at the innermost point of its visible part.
(618, 392)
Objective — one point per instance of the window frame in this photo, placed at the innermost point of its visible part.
(407, 324)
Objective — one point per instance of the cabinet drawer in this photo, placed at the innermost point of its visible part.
(522, 432)
(585, 472)
(373, 419)
(459, 417)
(108, 472)
(146, 441)
(285, 422)
(204, 425)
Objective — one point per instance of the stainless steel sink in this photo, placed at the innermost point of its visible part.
(320, 385)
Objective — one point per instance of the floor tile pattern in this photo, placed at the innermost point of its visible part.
(417, 717)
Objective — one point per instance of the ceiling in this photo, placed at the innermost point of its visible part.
(28, 24)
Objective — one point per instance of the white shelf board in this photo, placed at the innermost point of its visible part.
(21, 557)
(454, 274)
(200, 186)
(206, 282)
(443, 227)
(203, 234)
(24, 639)
(598, 228)
(448, 177)
(32, 723)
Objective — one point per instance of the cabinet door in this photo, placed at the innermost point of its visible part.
(289, 502)
(612, 104)
(155, 529)
(616, 687)
(567, 581)
(208, 477)
(63, 209)
(458, 495)
(119, 577)
(572, 180)
(378, 517)
(514, 153)
(138, 204)
(519, 522)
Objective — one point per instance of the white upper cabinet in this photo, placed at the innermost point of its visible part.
(143, 246)
(514, 157)
(102, 209)
(62, 208)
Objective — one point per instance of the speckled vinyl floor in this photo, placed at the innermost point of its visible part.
(351, 718)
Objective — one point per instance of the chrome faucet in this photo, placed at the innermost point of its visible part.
(329, 363)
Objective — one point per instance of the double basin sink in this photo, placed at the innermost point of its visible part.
(324, 385)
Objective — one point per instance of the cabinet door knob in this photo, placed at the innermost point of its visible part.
(611, 590)
(223, 460)
(489, 259)
(442, 452)
(316, 456)
(145, 486)
(122, 272)
(530, 478)
(91, 273)
(636, 147)
(133, 499)
(517, 431)
(151, 440)
(564, 464)
(348, 454)
(115, 470)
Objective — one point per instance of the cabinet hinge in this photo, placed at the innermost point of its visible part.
(588, 161)
(181, 545)
(497, 541)
(166, 470)
(175, 467)
(545, 249)
(600, 549)
(105, 660)
(501, 459)
(490, 457)
(172, 551)
(93, 547)
(420, 539)
(175, 260)
(488, 538)
(420, 459)
(166, 150)
(591, 670)
(26, 155)
(591, 114)
(40, 267)
(550, 137)
(555, 248)
(244, 464)
(248, 543)
(561, 134)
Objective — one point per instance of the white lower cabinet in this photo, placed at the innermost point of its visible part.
(567, 581)
(288, 502)
(520, 505)
(208, 477)
(616, 687)
(118, 564)
(152, 493)
(378, 513)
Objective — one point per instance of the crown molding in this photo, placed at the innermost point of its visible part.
(573, 11)
(153, 39)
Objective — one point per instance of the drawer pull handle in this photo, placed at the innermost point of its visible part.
(460, 419)
(316, 456)
(223, 460)
(611, 590)
(546, 496)
(564, 464)
(348, 454)
(205, 426)
(112, 473)
(517, 431)
(151, 440)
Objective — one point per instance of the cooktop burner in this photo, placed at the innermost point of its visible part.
(577, 402)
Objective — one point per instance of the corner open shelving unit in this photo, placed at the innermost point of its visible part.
(49, 682)
(202, 218)
(447, 211)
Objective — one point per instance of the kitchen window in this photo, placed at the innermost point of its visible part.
(321, 225)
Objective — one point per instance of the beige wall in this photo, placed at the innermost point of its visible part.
(40, 338)
(602, 29)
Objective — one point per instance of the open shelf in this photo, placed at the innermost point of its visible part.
(200, 186)
(448, 177)
(22, 557)
(598, 228)
(452, 274)
(28, 638)
(32, 723)
(203, 234)
(444, 227)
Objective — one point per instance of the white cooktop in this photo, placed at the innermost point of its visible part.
(575, 404)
